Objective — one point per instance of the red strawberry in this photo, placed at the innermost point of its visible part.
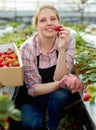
(14, 56)
(9, 58)
(58, 28)
(1, 53)
(10, 51)
(1, 59)
(86, 97)
(10, 62)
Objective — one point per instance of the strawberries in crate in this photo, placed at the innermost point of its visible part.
(9, 58)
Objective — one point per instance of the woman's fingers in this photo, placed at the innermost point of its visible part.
(64, 37)
(72, 83)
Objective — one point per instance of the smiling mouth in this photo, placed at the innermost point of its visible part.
(58, 28)
(49, 29)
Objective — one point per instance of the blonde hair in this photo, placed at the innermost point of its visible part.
(35, 18)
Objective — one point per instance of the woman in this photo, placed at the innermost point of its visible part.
(48, 59)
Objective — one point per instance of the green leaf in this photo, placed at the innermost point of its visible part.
(92, 63)
(91, 89)
(5, 104)
(4, 125)
(91, 71)
(16, 115)
(91, 100)
(92, 77)
(7, 109)
(85, 79)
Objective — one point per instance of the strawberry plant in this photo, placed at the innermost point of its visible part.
(7, 111)
(85, 67)
(85, 61)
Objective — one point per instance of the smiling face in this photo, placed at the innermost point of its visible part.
(46, 21)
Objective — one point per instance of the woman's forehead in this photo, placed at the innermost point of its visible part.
(46, 12)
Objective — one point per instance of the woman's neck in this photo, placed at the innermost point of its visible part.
(46, 44)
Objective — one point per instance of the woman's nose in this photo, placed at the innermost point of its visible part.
(49, 21)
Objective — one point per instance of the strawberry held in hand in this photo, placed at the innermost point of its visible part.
(8, 58)
(58, 28)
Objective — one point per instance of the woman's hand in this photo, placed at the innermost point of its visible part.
(64, 37)
(72, 83)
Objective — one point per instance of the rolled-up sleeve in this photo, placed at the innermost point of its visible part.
(31, 74)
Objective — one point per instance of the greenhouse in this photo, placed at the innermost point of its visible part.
(48, 65)
(71, 11)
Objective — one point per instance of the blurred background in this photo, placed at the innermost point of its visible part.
(74, 11)
(16, 18)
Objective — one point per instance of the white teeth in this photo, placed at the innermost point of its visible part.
(50, 29)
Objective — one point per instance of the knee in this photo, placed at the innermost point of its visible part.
(31, 125)
(61, 97)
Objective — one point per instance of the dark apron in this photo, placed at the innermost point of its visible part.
(21, 95)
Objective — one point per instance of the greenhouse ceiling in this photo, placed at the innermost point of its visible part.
(13, 9)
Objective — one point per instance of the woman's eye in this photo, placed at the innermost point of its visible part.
(42, 20)
(53, 19)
